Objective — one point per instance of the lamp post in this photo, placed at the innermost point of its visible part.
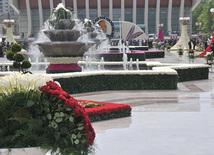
(198, 24)
(184, 39)
(9, 25)
(160, 25)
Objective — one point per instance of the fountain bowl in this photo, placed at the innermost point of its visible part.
(62, 35)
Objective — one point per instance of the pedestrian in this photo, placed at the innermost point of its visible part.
(190, 45)
(194, 43)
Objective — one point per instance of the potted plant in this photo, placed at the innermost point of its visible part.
(36, 112)
(180, 51)
(191, 55)
(168, 48)
(209, 58)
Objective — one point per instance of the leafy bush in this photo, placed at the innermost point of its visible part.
(33, 114)
(16, 47)
(10, 55)
(19, 57)
(26, 64)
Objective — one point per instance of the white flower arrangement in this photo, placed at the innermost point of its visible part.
(22, 82)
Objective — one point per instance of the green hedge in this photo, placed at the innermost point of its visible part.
(118, 82)
(112, 115)
(140, 48)
(155, 54)
(119, 57)
(192, 74)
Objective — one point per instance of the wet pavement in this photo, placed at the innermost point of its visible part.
(168, 122)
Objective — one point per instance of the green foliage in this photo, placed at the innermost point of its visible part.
(112, 115)
(192, 74)
(16, 47)
(33, 119)
(26, 64)
(10, 55)
(114, 82)
(18, 57)
(155, 55)
(202, 14)
(16, 64)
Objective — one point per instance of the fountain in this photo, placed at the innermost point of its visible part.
(67, 44)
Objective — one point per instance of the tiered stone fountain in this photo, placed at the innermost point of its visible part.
(63, 51)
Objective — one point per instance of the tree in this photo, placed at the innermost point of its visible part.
(202, 14)
(19, 59)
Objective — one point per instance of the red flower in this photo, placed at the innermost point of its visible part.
(54, 92)
(45, 89)
(61, 97)
(53, 85)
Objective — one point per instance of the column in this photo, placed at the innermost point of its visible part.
(51, 6)
(63, 2)
(99, 8)
(134, 11)
(41, 20)
(182, 8)
(87, 9)
(111, 9)
(75, 7)
(146, 12)
(122, 10)
(181, 12)
(169, 17)
(157, 15)
(29, 17)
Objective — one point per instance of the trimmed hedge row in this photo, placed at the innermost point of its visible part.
(119, 57)
(140, 48)
(111, 115)
(192, 74)
(155, 54)
(118, 82)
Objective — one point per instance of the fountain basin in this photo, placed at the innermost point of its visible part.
(62, 35)
(60, 49)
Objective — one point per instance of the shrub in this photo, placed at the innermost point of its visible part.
(26, 64)
(10, 55)
(16, 47)
(19, 57)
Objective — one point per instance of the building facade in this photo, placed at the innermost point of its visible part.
(149, 13)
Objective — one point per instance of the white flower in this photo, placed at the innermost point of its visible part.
(22, 82)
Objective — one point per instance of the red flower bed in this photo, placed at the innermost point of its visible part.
(54, 90)
(107, 111)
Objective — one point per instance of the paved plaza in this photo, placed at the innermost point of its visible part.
(163, 122)
(168, 122)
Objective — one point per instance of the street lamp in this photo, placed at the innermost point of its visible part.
(212, 11)
(160, 25)
(198, 24)
(184, 20)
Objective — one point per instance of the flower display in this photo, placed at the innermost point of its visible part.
(37, 112)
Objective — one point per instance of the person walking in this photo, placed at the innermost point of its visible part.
(190, 45)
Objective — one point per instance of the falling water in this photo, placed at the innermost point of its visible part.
(102, 63)
(137, 64)
(125, 61)
(3, 67)
(130, 64)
